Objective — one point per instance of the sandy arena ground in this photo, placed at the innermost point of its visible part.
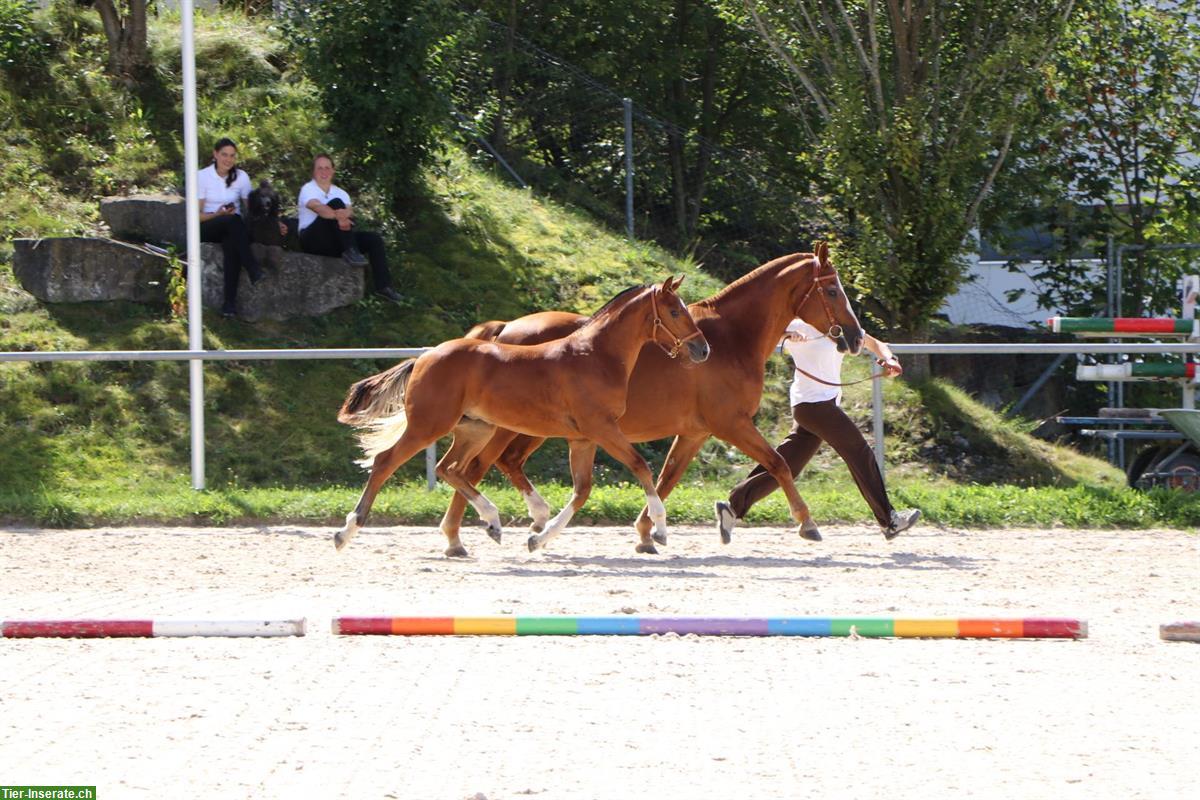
(1116, 716)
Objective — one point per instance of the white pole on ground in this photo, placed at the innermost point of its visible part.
(191, 161)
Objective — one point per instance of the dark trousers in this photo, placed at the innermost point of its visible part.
(234, 236)
(814, 423)
(323, 237)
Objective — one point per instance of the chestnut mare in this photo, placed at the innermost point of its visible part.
(743, 322)
(573, 387)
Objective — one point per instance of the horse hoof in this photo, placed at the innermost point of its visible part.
(810, 533)
(340, 540)
(645, 547)
(725, 521)
(533, 544)
(537, 527)
(458, 551)
(494, 532)
(661, 538)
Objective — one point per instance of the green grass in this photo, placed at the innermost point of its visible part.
(173, 502)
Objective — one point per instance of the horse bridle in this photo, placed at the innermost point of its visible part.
(658, 325)
(835, 330)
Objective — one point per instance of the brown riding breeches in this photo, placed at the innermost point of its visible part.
(813, 424)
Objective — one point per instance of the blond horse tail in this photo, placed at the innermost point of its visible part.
(375, 406)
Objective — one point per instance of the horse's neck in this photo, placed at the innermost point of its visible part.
(621, 332)
(759, 321)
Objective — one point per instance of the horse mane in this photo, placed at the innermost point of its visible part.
(620, 296)
(782, 261)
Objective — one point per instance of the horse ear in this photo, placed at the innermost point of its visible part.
(821, 250)
(678, 281)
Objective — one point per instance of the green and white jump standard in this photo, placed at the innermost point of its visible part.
(1027, 628)
(1124, 326)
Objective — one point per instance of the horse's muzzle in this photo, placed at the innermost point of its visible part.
(850, 341)
(698, 350)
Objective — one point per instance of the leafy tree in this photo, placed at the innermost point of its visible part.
(909, 111)
(1119, 151)
(714, 158)
(383, 70)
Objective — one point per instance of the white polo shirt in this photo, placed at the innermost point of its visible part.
(311, 191)
(817, 354)
(211, 188)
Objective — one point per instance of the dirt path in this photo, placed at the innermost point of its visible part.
(1115, 716)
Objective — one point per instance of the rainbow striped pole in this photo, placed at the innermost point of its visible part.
(1133, 371)
(143, 628)
(1027, 628)
(1124, 326)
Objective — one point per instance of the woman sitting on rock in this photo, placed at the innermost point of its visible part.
(222, 188)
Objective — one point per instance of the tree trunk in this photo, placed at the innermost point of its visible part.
(126, 36)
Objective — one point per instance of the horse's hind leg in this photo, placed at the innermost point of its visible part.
(386, 463)
(683, 451)
(512, 463)
(473, 473)
(461, 458)
(454, 468)
(583, 455)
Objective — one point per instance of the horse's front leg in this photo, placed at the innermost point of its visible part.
(745, 437)
(683, 451)
(582, 457)
(619, 448)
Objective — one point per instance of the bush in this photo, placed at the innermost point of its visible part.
(21, 38)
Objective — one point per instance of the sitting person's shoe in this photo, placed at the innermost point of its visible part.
(725, 521)
(353, 257)
(257, 276)
(391, 295)
(228, 312)
(901, 521)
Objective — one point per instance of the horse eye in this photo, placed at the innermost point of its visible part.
(675, 312)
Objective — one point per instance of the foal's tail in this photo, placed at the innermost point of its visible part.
(375, 406)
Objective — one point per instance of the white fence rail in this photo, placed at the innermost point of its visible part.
(1187, 348)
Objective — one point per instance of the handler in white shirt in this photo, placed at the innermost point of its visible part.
(222, 188)
(326, 223)
(817, 417)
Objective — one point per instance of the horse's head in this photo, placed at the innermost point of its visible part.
(825, 306)
(674, 323)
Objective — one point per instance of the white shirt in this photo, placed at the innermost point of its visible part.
(817, 354)
(211, 188)
(311, 191)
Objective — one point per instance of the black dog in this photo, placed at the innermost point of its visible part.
(263, 204)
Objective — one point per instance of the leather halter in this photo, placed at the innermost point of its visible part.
(678, 343)
(835, 330)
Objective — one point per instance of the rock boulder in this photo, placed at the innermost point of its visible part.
(82, 269)
(294, 285)
(155, 218)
